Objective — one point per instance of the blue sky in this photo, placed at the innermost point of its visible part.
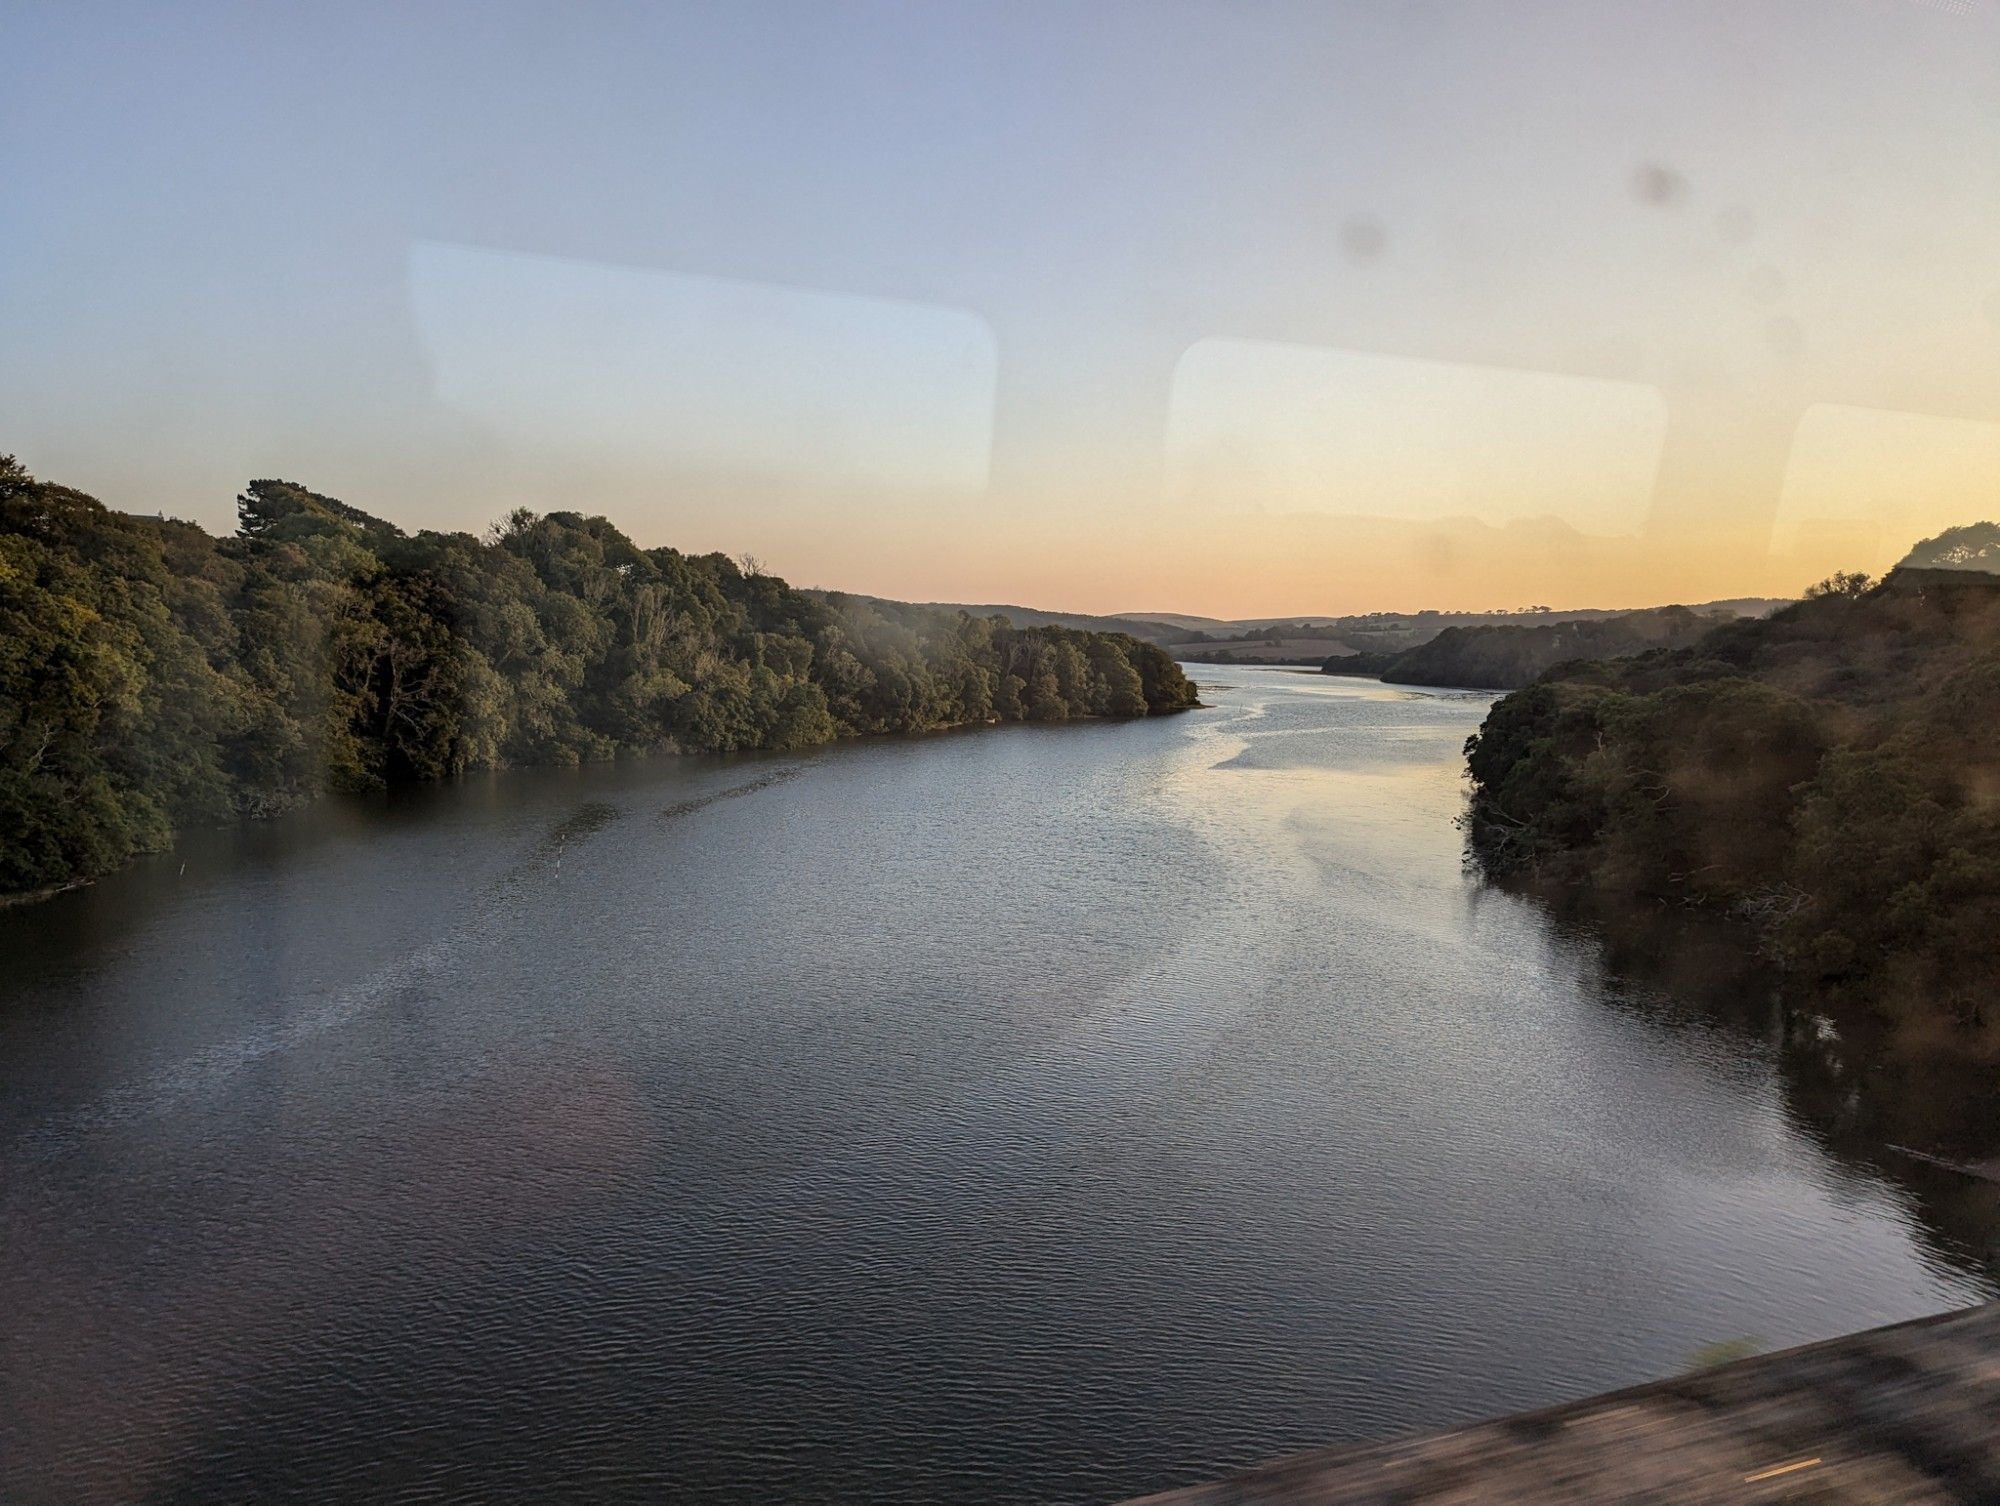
(924, 298)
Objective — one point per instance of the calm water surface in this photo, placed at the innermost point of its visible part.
(1024, 1115)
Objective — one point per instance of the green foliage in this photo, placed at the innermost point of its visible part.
(1505, 655)
(151, 676)
(1840, 583)
(1829, 773)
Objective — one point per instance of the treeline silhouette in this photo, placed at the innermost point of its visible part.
(1505, 656)
(152, 676)
(1829, 773)
(1974, 546)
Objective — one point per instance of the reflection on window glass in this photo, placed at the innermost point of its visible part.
(567, 359)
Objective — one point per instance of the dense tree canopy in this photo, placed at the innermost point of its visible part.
(152, 676)
(1503, 656)
(1829, 773)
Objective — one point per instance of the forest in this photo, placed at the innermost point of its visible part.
(1505, 656)
(1828, 774)
(153, 676)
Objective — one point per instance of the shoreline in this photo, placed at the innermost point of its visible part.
(23, 898)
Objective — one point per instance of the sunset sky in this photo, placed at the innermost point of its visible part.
(1242, 309)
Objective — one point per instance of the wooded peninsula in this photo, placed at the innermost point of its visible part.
(1828, 774)
(154, 677)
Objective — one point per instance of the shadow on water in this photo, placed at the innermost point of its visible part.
(80, 923)
(1926, 1122)
(680, 808)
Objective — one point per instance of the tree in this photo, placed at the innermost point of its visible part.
(1840, 583)
(1827, 773)
(152, 676)
(1975, 546)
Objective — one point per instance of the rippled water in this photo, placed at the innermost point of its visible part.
(1022, 1115)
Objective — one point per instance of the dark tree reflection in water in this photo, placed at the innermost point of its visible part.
(1924, 1121)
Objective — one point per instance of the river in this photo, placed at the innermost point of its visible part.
(1019, 1115)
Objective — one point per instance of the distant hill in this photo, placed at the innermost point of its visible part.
(1505, 657)
(1507, 653)
(1370, 639)
(1371, 642)
(1742, 606)
(1146, 630)
(1182, 620)
(1283, 647)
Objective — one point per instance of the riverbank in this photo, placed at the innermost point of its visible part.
(1890, 1417)
(159, 678)
(1824, 774)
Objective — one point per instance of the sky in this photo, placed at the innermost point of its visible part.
(1240, 307)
